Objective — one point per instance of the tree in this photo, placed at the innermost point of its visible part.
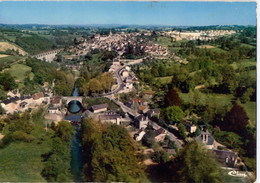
(161, 157)
(235, 120)
(162, 70)
(7, 81)
(182, 131)
(196, 163)
(247, 94)
(172, 98)
(64, 130)
(173, 114)
(110, 153)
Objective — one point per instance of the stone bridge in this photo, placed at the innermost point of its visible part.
(71, 98)
(48, 56)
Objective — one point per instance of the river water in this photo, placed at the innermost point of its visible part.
(76, 156)
(74, 106)
(76, 149)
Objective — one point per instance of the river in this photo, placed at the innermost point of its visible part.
(76, 156)
(76, 149)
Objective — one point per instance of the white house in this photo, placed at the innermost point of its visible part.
(139, 135)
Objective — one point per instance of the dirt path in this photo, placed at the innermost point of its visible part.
(1, 136)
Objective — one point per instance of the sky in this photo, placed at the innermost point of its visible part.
(128, 13)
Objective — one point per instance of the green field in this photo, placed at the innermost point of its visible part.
(164, 80)
(250, 108)
(8, 60)
(21, 161)
(163, 41)
(18, 71)
(222, 100)
(244, 63)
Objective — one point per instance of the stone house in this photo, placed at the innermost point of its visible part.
(37, 96)
(153, 112)
(53, 110)
(110, 117)
(207, 139)
(159, 135)
(141, 121)
(229, 158)
(56, 101)
(99, 108)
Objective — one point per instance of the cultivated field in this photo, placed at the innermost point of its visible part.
(5, 46)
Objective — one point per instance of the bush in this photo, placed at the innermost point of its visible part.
(8, 138)
(20, 135)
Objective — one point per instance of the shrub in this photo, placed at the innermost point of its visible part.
(20, 135)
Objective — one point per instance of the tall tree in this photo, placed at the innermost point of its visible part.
(235, 120)
(173, 114)
(172, 98)
(196, 163)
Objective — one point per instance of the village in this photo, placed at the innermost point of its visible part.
(139, 118)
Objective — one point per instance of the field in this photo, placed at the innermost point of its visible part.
(251, 63)
(18, 71)
(164, 80)
(223, 100)
(5, 46)
(250, 108)
(4, 61)
(206, 46)
(22, 161)
(163, 41)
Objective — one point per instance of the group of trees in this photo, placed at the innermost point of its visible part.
(7, 83)
(34, 44)
(57, 161)
(101, 83)
(47, 72)
(17, 128)
(110, 154)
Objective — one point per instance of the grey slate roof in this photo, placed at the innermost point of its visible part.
(109, 117)
(210, 141)
(100, 106)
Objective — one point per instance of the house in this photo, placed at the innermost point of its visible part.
(159, 135)
(207, 139)
(170, 151)
(99, 108)
(125, 74)
(129, 85)
(37, 96)
(142, 109)
(191, 128)
(141, 121)
(153, 112)
(53, 110)
(227, 157)
(110, 117)
(127, 68)
(56, 101)
(139, 135)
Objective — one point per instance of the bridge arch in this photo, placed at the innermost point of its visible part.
(71, 98)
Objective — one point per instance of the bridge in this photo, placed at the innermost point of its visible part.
(48, 56)
(71, 98)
